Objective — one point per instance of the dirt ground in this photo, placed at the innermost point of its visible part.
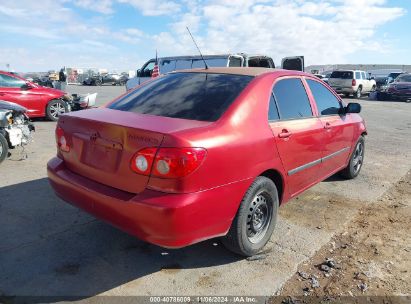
(371, 257)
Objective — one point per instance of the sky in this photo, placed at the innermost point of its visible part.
(121, 35)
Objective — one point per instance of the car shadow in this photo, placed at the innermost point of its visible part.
(334, 178)
(50, 248)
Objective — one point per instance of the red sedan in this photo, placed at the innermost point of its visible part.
(39, 101)
(210, 153)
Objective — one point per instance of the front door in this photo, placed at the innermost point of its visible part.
(12, 89)
(146, 71)
(299, 135)
(337, 128)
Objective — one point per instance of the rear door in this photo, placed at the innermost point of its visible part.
(293, 63)
(366, 81)
(299, 135)
(338, 129)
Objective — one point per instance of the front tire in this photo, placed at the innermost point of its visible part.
(255, 219)
(55, 108)
(4, 148)
(356, 160)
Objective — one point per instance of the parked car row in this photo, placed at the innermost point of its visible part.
(356, 83)
(113, 79)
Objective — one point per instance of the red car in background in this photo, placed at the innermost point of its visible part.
(206, 153)
(39, 101)
(400, 89)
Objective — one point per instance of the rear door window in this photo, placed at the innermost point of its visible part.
(292, 99)
(357, 75)
(195, 96)
(183, 64)
(217, 62)
(273, 114)
(326, 101)
(167, 66)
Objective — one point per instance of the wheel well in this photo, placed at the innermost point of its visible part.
(277, 179)
(360, 86)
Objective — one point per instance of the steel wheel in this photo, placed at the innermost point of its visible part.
(358, 157)
(259, 217)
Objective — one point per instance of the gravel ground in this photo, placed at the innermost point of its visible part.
(371, 257)
(51, 248)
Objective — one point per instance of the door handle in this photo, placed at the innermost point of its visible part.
(327, 126)
(284, 134)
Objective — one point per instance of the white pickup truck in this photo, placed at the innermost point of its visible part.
(352, 82)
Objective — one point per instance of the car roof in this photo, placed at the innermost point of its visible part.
(247, 71)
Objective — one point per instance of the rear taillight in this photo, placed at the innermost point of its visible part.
(61, 140)
(142, 161)
(168, 162)
(354, 82)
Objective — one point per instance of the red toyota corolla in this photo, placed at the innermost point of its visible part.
(209, 153)
(39, 101)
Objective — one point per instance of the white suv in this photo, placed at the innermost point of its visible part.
(351, 82)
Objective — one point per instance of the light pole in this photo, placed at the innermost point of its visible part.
(8, 67)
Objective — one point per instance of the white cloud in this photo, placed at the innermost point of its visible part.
(325, 32)
(154, 7)
(101, 6)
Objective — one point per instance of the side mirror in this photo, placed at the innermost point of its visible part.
(353, 107)
(138, 74)
(26, 86)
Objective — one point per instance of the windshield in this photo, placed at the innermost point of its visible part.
(342, 74)
(195, 96)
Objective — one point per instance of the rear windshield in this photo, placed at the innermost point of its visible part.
(195, 96)
(342, 74)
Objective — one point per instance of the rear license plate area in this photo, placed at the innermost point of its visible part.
(101, 157)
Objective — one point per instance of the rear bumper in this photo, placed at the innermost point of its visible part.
(342, 90)
(167, 220)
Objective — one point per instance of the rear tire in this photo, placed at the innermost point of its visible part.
(4, 148)
(55, 108)
(255, 220)
(356, 160)
(358, 93)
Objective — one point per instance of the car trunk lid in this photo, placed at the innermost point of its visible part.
(103, 141)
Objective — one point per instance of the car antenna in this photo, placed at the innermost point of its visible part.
(205, 63)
